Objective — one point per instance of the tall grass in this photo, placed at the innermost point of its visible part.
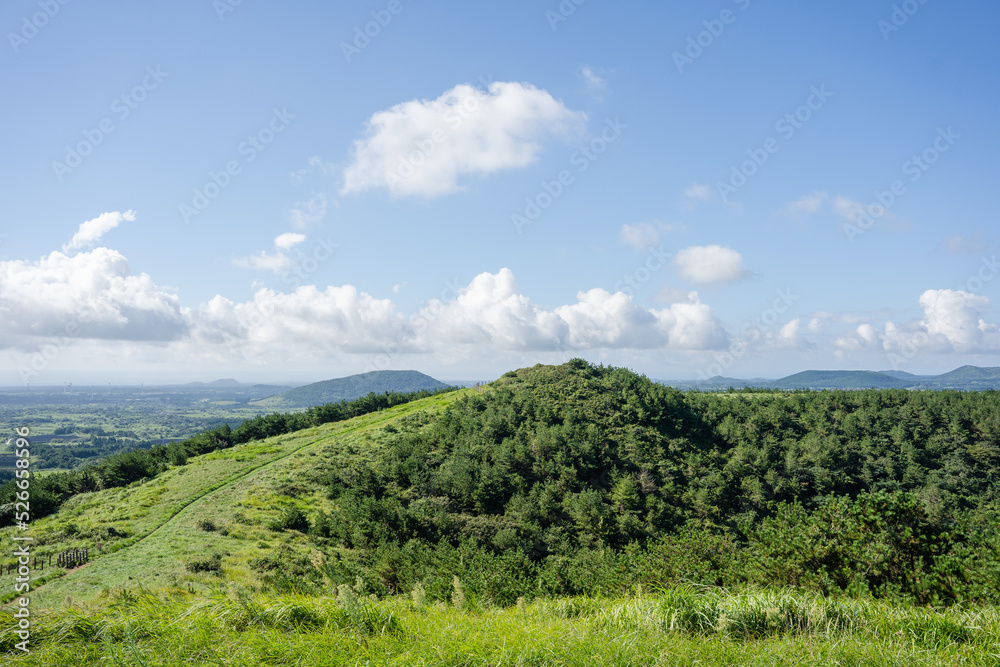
(680, 625)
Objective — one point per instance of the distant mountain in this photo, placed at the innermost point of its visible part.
(967, 378)
(903, 375)
(350, 388)
(227, 382)
(839, 380)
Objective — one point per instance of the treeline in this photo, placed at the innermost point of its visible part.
(47, 493)
(555, 462)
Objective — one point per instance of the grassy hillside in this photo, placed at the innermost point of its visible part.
(349, 388)
(149, 531)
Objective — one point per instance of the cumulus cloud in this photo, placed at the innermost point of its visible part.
(953, 321)
(87, 295)
(423, 147)
(288, 239)
(493, 311)
(337, 318)
(92, 230)
(711, 264)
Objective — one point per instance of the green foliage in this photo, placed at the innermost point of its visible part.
(573, 465)
(293, 518)
(211, 564)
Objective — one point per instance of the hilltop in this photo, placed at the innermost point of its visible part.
(348, 388)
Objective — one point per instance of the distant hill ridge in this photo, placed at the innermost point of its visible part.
(349, 388)
(968, 378)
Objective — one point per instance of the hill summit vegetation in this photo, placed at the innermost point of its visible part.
(890, 492)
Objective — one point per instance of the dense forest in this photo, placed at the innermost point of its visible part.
(885, 491)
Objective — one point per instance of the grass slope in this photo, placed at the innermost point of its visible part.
(675, 627)
(149, 530)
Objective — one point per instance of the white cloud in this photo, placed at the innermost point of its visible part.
(699, 191)
(288, 239)
(963, 245)
(316, 163)
(850, 211)
(336, 319)
(956, 316)
(87, 295)
(953, 321)
(789, 336)
(492, 311)
(640, 236)
(92, 230)
(807, 205)
(596, 84)
(709, 264)
(278, 261)
(423, 147)
(304, 214)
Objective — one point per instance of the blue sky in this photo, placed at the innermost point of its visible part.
(199, 189)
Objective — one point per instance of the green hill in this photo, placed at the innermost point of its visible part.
(349, 388)
(485, 504)
(839, 380)
(966, 377)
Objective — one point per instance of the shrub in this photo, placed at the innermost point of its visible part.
(292, 518)
(211, 564)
